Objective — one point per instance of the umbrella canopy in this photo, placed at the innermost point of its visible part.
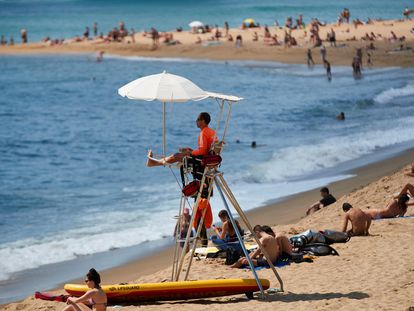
(164, 87)
(196, 24)
(249, 21)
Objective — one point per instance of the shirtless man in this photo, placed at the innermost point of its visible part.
(359, 220)
(206, 137)
(395, 209)
(272, 246)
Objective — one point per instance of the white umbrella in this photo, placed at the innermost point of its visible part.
(164, 87)
(196, 24)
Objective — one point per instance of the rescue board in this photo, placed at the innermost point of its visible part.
(173, 290)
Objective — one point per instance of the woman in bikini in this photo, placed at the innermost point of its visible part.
(95, 297)
(397, 208)
(226, 233)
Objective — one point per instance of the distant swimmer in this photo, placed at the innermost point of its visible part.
(253, 145)
(341, 116)
(99, 58)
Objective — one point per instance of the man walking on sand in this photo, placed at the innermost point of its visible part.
(359, 220)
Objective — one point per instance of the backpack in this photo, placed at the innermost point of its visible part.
(332, 236)
(232, 255)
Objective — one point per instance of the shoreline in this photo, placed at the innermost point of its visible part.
(284, 212)
(385, 54)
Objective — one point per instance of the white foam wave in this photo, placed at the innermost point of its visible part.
(302, 160)
(392, 93)
(118, 230)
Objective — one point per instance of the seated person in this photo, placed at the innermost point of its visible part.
(206, 137)
(226, 233)
(95, 297)
(396, 208)
(270, 244)
(327, 199)
(183, 223)
(359, 220)
(283, 241)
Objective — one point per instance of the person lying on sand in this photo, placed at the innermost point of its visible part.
(326, 200)
(359, 220)
(274, 246)
(206, 137)
(396, 208)
(95, 297)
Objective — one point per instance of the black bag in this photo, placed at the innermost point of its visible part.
(232, 255)
(332, 236)
(320, 249)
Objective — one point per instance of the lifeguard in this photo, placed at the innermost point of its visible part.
(205, 139)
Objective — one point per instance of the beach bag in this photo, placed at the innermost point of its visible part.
(232, 255)
(191, 189)
(319, 249)
(307, 237)
(211, 160)
(332, 236)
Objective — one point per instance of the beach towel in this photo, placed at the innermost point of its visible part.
(394, 218)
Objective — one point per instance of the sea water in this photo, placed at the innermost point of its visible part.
(73, 180)
(68, 18)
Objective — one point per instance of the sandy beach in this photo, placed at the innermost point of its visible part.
(371, 273)
(386, 53)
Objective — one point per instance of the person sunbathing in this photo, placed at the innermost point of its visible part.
(206, 137)
(359, 220)
(95, 297)
(397, 208)
(271, 245)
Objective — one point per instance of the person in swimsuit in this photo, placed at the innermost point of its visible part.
(396, 208)
(205, 139)
(95, 297)
(226, 233)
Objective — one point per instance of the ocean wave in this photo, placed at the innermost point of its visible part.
(388, 95)
(302, 160)
(32, 253)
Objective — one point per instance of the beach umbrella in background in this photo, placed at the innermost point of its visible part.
(196, 24)
(249, 21)
(164, 87)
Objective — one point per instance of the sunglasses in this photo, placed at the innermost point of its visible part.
(86, 281)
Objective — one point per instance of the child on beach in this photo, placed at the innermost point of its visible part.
(95, 297)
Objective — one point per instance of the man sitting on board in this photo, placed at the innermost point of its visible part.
(206, 137)
(359, 220)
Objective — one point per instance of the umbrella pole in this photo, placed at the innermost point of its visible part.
(164, 144)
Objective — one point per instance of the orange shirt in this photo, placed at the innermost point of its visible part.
(206, 137)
